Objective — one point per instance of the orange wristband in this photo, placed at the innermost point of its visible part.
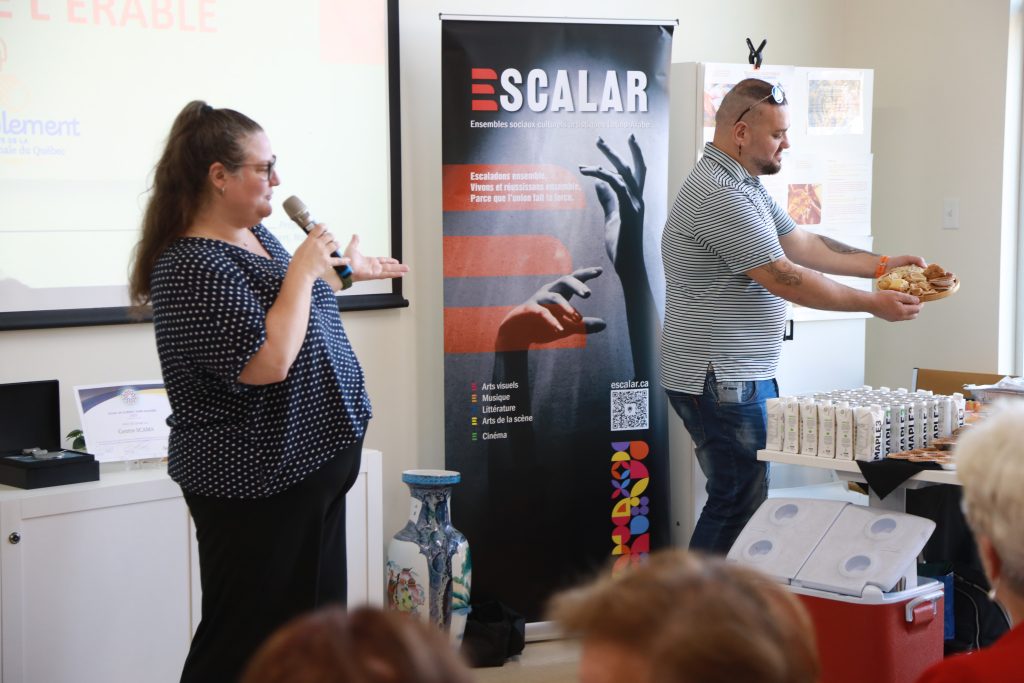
(880, 271)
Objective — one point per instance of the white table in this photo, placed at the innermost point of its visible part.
(847, 470)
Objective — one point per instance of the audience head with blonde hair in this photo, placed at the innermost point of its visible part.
(686, 618)
(366, 645)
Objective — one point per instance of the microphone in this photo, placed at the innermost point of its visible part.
(297, 211)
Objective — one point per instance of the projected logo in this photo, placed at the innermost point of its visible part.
(561, 90)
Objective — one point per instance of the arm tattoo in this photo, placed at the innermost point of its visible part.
(785, 274)
(841, 248)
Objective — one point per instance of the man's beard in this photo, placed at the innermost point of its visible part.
(770, 167)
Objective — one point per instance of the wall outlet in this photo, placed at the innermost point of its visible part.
(950, 214)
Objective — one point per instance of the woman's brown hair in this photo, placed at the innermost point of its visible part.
(199, 137)
(698, 619)
(367, 645)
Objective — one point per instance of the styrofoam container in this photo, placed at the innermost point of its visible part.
(890, 637)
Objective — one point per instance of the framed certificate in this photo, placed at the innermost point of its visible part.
(126, 421)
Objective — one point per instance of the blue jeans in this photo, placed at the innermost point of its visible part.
(727, 425)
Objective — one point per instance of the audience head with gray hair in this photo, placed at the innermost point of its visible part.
(990, 465)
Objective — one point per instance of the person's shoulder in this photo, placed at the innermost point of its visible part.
(722, 197)
(709, 178)
(196, 256)
(967, 667)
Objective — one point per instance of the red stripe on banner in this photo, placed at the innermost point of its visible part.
(505, 255)
(484, 74)
(475, 330)
(483, 89)
(510, 187)
(485, 105)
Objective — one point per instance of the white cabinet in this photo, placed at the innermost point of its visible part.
(95, 580)
(364, 532)
(99, 582)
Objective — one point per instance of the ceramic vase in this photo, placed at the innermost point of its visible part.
(428, 563)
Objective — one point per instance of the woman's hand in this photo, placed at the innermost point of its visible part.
(313, 258)
(288, 317)
(371, 267)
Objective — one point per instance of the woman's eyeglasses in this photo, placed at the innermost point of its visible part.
(777, 94)
(268, 166)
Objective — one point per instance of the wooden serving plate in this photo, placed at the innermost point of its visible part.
(942, 295)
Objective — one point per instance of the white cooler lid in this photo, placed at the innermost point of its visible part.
(865, 547)
(783, 533)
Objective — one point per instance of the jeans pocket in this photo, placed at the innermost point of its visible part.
(735, 392)
(687, 407)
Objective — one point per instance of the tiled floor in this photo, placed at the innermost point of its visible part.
(549, 661)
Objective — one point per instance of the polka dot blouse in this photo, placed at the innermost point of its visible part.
(233, 440)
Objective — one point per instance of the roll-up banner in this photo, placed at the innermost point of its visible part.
(555, 150)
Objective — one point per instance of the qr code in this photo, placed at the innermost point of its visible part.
(630, 409)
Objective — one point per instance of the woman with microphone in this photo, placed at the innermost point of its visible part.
(268, 402)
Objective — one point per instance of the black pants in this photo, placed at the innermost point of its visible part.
(262, 562)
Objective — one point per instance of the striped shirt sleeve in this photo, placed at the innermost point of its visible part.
(729, 225)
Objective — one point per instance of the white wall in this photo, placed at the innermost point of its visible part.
(939, 70)
(940, 81)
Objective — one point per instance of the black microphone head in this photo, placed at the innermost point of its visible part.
(297, 211)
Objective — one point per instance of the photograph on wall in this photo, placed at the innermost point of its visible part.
(835, 102)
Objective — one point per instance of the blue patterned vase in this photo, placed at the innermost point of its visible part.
(428, 563)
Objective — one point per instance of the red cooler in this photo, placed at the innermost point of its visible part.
(879, 637)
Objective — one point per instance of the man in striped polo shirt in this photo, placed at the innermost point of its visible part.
(733, 258)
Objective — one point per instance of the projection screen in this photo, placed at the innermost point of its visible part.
(88, 91)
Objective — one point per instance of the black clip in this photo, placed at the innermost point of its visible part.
(788, 335)
(756, 57)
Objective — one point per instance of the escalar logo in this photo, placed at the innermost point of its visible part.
(565, 91)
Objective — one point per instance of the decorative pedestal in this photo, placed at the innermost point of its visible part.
(428, 563)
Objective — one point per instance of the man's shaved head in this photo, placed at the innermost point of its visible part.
(744, 94)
